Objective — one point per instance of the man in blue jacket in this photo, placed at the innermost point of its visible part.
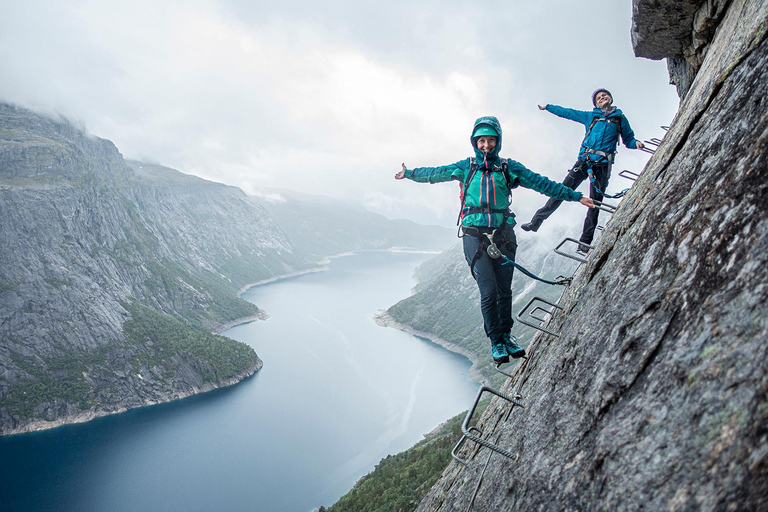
(603, 127)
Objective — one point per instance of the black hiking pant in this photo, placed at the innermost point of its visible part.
(494, 279)
(576, 175)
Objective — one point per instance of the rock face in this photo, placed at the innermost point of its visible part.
(678, 31)
(655, 395)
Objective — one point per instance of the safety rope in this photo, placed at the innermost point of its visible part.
(494, 252)
(594, 183)
(562, 282)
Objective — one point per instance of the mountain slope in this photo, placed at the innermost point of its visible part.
(113, 275)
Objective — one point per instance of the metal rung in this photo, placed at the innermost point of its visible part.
(498, 369)
(648, 150)
(656, 141)
(458, 445)
(467, 431)
(665, 128)
(605, 207)
(540, 326)
(571, 256)
(600, 228)
(652, 142)
(629, 175)
(536, 309)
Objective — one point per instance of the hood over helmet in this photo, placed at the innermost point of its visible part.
(491, 122)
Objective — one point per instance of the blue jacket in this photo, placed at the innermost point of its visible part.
(488, 189)
(604, 135)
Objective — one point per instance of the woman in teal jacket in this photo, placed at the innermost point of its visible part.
(486, 220)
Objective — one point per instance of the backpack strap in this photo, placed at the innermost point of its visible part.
(614, 120)
(511, 182)
(463, 193)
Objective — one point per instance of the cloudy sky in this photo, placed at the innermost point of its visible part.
(329, 97)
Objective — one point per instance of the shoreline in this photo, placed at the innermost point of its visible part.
(322, 267)
(86, 416)
(383, 319)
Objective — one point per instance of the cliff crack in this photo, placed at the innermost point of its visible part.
(758, 36)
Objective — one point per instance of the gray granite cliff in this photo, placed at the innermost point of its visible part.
(655, 395)
(88, 242)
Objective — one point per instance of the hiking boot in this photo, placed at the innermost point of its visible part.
(530, 226)
(582, 249)
(513, 349)
(499, 352)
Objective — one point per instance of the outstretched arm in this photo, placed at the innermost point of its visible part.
(544, 185)
(400, 175)
(579, 116)
(457, 171)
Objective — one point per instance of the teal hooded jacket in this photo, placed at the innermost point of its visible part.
(488, 189)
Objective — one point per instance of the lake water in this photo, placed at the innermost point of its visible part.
(336, 394)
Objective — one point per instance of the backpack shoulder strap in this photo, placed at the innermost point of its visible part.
(589, 129)
(614, 120)
(472, 170)
(511, 182)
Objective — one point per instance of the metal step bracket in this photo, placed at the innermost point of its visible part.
(605, 207)
(557, 249)
(458, 446)
(542, 321)
(629, 175)
(498, 369)
(465, 428)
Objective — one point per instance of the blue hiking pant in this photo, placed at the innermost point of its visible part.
(494, 279)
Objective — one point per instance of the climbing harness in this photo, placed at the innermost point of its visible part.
(492, 249)
(595, 120)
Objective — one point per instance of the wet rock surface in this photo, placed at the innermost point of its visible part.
(655, 395)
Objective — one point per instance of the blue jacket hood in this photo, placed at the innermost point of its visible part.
(493, 123)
